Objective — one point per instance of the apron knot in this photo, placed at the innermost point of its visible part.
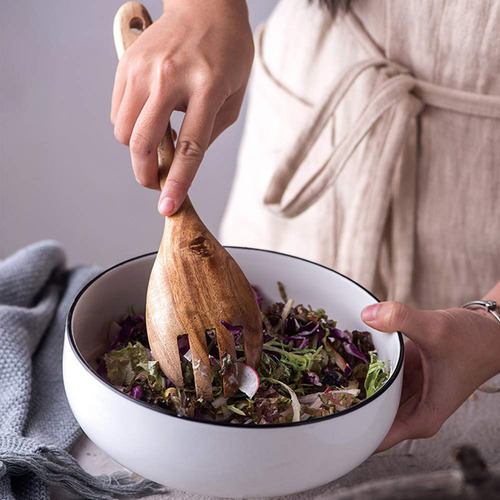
(391, 92)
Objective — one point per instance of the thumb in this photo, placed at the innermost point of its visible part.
(395, 316)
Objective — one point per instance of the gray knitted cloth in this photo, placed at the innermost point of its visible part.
(36, 424)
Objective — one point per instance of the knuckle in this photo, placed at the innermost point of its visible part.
(209, 84)
(204, 78)
(131, 64)
(396, 314)
(140, 145)
(178, 184)
(190, 149)
(137, 63)
(166, 69)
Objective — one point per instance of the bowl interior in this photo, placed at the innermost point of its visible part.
(112, 293)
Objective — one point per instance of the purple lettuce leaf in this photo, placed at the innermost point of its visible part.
(267, 337)
(136, 392)
(128, 326)
(236, 330)
(339, 334)
(183, 344)
(311, 377)
(354, 351)
(298, 338)
(291, 326)
(348, 344)
(309, 328)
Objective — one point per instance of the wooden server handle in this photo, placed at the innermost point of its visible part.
(133, 15)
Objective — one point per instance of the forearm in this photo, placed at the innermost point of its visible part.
(238, 6)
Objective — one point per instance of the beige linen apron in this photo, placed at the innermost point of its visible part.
(371, 146)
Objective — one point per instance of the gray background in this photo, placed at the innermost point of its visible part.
(62, 173)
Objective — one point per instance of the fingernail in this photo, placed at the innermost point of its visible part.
(369, 313)
(166, 206)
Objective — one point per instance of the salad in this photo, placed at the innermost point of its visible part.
(309, 368)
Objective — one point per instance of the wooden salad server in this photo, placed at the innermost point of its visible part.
(194, 284)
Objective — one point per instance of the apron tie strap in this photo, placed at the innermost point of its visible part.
(387, 95)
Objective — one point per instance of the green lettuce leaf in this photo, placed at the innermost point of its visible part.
(293, 397)
(126, 365)
(377, 374)
(283, 295)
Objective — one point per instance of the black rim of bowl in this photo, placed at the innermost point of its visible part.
(74, 347)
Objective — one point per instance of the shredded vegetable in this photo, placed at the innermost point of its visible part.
(309, 368)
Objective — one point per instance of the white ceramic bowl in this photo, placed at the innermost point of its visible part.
(226, 460)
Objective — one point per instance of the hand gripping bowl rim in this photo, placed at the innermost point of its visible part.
(81, 359)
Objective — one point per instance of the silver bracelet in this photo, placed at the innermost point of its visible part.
(491, 307)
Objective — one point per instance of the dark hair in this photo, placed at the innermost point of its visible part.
(334, 6)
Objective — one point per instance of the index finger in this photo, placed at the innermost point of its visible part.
(194, 139)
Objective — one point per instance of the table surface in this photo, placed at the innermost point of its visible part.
(476, 422)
